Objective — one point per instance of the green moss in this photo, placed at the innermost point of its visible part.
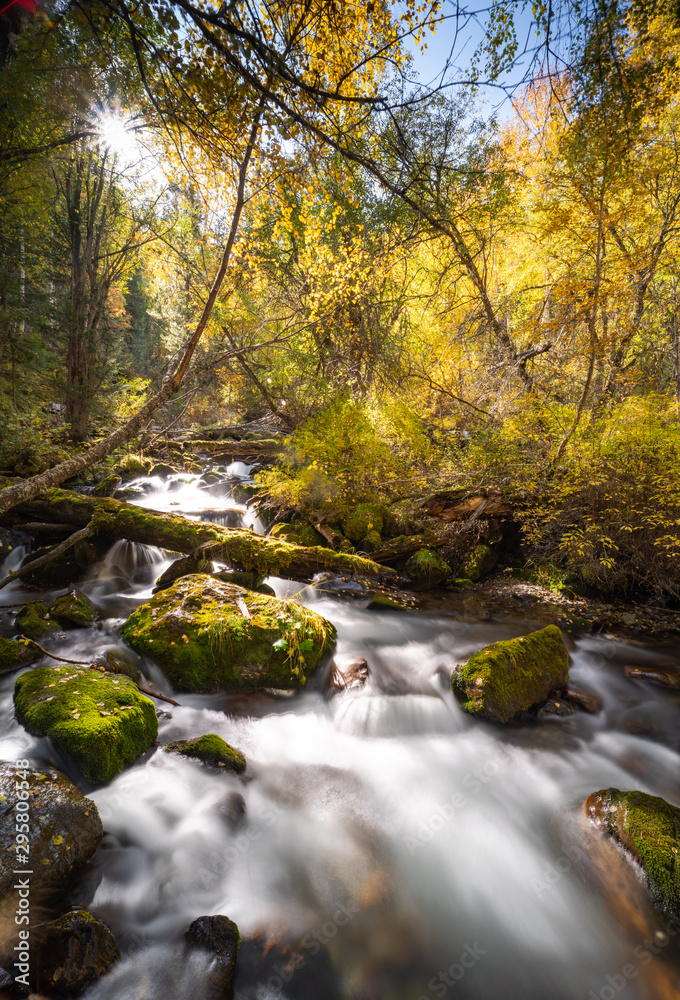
(509, 677)
(481, 561)
(210, 749)
(72, 609)
(649, 827)
(34, 621)
(99, 720)
(199, 635)
(364, 518)
(426, 569)
(371, 542)
(297, 534)
(16, 653)
(107, 486)
(133, 465)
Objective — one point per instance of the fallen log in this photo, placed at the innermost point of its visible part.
(58, 550)
(116, 519)
(218, 449)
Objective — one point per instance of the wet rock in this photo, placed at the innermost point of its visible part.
(107, 486)
(210, 636)
(648, 828)
(655, 675)
(426, 569)
(9, 987)
(182, 567)
(220, 936)
(232, 809)
(100, 721)
(34, 621)
(348, 675)
(509, 677)
(210, 749)
(245, 492)
(119, 661)
(587, 701)
(15, 654)
(73, 610)
(162, 469)
(65, 828)
(64, 569)
(243, 578)
(481, 561)
(71, 953)
(555, 707)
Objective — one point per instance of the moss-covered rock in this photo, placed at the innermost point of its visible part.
(509, 677)
(251, 581)
(65, 828)
(426, 569)
(71, 953)
(648, 828)
(73, 610)
(34, 621)
(107, 486)
(364, 518)
(480, 561)
(297, 534)
(371, 542)
(133, 465)
(245, 492)
(16, 653)
(97, 719)
(210, 749)
(182, 567)
(66, 568)
(198, 633)
(162, 469)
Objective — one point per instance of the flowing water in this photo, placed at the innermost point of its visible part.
(384, 845)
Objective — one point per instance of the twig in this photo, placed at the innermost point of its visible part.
(90, 666)
(48, 557)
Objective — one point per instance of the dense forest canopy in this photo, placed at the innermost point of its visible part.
(213, 213)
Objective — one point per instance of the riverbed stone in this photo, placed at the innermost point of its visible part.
(208, 635)
(65, 828)
(99, 720)
(73, 610)
(35, 622)
(71, 953)
(210, 749)
(220, 936)
(648, 828)
(15, 654)
(511, 676)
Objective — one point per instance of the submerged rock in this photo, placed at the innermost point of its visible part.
(71, 953)
(16, 653)
(655, 675)
(648, 828)
(119, 661)
(509, 677)
(65, 828)
(427, 570)
(34, 621)
(587, 701)
(348, 675)
(73, 610)
(220, 936)
(210, 636)
(210, 749)
(99, 720)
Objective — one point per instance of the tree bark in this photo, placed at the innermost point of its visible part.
(115, 519)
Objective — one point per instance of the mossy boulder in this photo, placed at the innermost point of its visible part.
(182, 567)
(210, 749)
(34, 621)
(66, 568)
(511, 676)
(245, 492)
(364, 518)
(133, 465)
(204, 640)
(297, 534)
(65, 828)
(99, 720)
(371, 542)
(15, 654)
(426, 569)
(648, 828)
(242, 578)
(71, 953)
(480, 561)
(73, 610)
(108, 486)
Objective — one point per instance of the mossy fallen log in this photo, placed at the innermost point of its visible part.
(116, 519)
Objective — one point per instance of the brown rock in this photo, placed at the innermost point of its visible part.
(350, 675)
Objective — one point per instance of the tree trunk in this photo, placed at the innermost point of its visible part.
(114, 519)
